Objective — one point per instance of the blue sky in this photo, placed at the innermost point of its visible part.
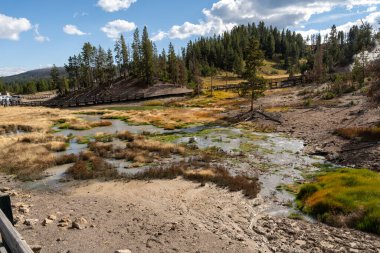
(32, 33)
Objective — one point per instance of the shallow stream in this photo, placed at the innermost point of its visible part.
(274, 158)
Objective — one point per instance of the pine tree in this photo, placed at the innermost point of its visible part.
(255, 58)
(54, 75)
(147, 57)
(110, 67)
(136, 48)
(100, 65)
(125, 57)
(172, 62)
(163, 70)
(118, 56)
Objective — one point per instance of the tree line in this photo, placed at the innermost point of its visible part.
(140, 59)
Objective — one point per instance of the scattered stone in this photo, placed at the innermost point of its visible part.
(4, 189)
(47, 222)
(64, 222)
(36, 248)
(19, 219)
(24, 209)
(79, 223)
(52, 217)
(31, 222)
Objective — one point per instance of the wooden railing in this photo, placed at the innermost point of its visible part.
(98, 100)
(271, 84)
(12, 241)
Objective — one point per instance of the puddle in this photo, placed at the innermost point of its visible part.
(52, 181)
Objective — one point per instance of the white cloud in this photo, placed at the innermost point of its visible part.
(10, 28)
(115, 5)
(114, 28)
(159, 36)
(38, 37)
(372, 19)
(225, 14)
(80, 14)
(10, 71)
(73, 30)
(372, 9)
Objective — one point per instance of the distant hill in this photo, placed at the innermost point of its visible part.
(32, 75)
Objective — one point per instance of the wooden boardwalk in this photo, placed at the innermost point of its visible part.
(99, 100)
(271, 84)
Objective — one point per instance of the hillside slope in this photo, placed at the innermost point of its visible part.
(33, 75)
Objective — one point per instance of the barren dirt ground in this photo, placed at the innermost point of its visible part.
(169, 216)
(316, 125)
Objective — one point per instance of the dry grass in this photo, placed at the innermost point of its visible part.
(204, 173)
(126, 136)
(78, 124)
(38, 118)
(164, 149)
(26, 160)
(167, 118)
(57, 146)
(28, 154)
(362, 133)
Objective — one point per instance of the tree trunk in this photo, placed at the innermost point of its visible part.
(252, 99)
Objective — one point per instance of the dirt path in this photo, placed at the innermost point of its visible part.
(171, 216)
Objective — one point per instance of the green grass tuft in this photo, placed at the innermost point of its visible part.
(345, 197)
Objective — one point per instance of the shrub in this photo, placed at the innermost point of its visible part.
(90, 167)
(66, 159)
(126, 136)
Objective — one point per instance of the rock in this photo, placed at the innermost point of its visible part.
(300, 242)
(36, 248)
(123, 251)
(47, 222)
(19, 219)
(64, 222)
(52, 217)
(31, 222)
(4, 189)
(79, 223)
(23, 209)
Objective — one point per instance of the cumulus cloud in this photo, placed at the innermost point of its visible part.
(10, 28)
(225, 14)
(159, 36)
(114, 28)
(38, 37)
(115, 5)
(372, 19)
(73, 30)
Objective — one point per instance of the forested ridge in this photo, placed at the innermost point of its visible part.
(140, 58)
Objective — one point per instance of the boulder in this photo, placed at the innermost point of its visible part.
(123, 251)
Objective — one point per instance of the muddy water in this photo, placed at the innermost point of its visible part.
(274, 158)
